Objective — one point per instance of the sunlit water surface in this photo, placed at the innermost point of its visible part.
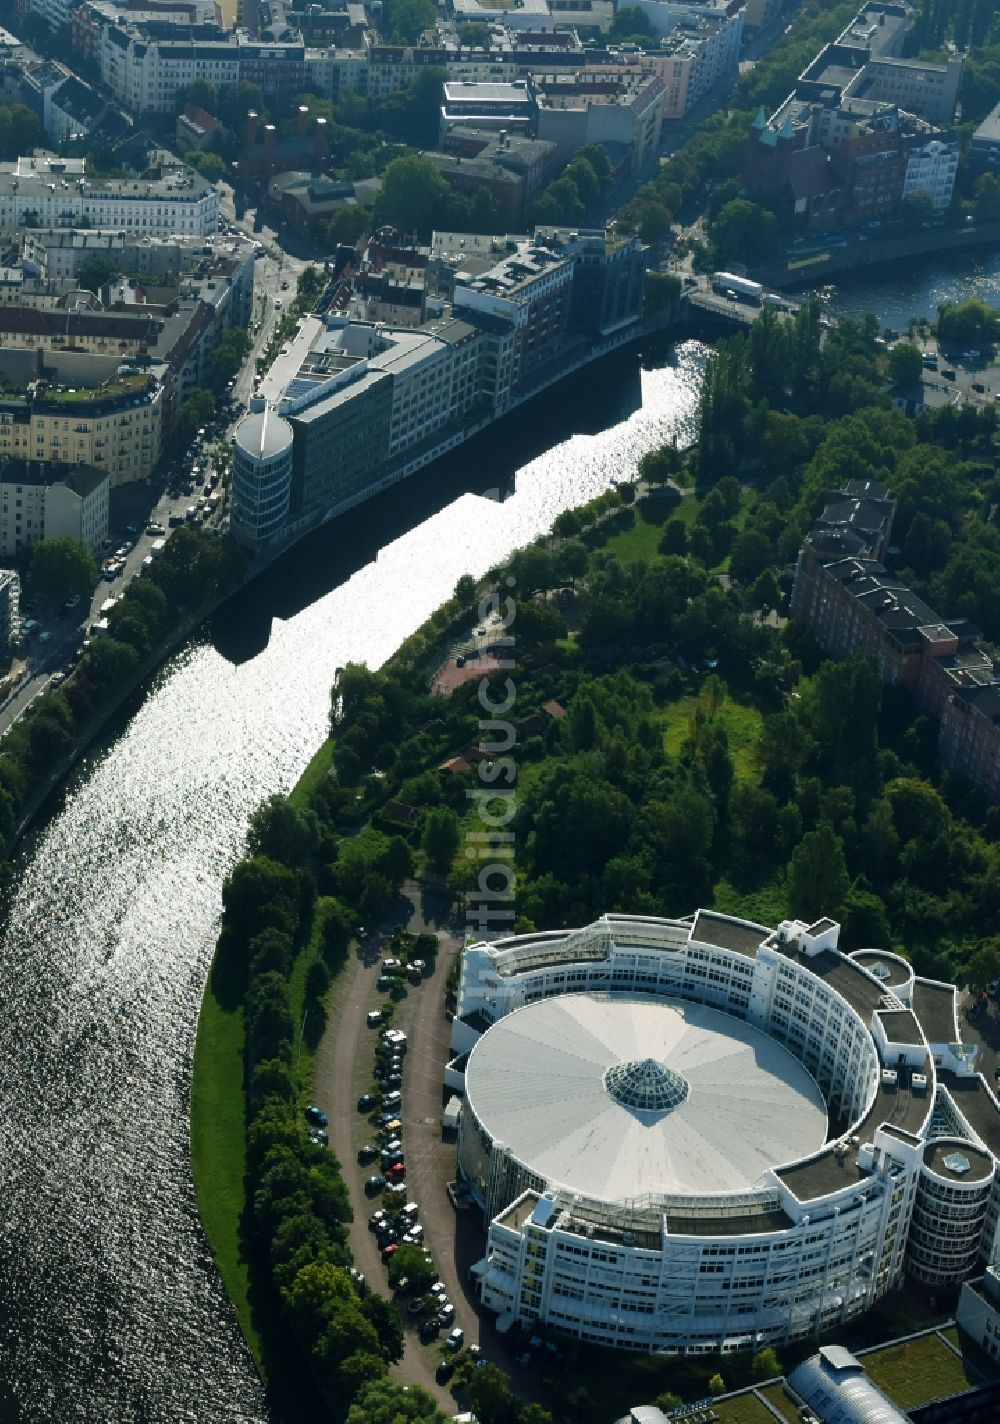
(110, 1306)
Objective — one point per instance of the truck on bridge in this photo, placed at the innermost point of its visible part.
(742, 286)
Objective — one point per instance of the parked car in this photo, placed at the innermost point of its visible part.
(444, 1371)
(455, 1339)
(367, 1154)
(314, 1114)
(398, 1189)
(396, 1172)
(389, 1251)
(376, 1219)
(366, 1102)
(374, 1018)
(375, 1184)
(429, 1331)
(446, 1312)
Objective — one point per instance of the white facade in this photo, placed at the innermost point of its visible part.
(74, 506)
(931, 169)
(52, 192)
(905, 1182)
(76, 509)
(145, 76)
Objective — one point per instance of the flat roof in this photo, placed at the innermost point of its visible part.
(900, 1026)
(957, 1160)
(887, 968)
(613, 1097)
(725, 933)
(975, 1104)
(897, 1107)
(934, 1006)
(745, 1224)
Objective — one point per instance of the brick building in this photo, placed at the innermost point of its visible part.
(854, 608)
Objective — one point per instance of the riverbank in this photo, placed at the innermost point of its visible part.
(817, 264)
(613, 345)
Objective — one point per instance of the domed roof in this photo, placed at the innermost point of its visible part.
(646, 1085)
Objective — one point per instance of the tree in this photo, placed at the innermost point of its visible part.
(109, 663)
(906, 364)
(97, 270)
(235, 102)
(193, 412)
(487, 1393)
(969, 323)
(406, 20)
(716, 1386)
(409, 1263)
(413, 194)
(744, 232)
(750, 555)
(281, 832)
(766, 1365)
(210, 166)
(388, 1325)
(984, 966)
(474, 36)
(440, 838)
(386, 1402)
(818, 881)
(986, 193)
(60, 568)
(200, 93)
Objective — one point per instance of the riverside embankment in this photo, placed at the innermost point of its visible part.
(816, 264)
(110, 1304)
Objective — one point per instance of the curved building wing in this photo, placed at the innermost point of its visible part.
(706, 1134)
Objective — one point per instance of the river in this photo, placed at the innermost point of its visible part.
(916, 288)
(110, 1305)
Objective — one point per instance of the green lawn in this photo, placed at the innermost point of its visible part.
(642, 540)
(217, 1148)
(314, 773)
(918, 1371)
(778, 1399)
(747, 1409)
(742, 725)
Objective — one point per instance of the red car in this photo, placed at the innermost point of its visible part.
(389, 1251)
(397, 1173)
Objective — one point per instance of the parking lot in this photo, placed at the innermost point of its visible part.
(343, 1072)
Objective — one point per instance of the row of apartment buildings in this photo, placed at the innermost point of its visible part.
(46, 191)
(88, 387)
(352, 405)
(146, 59)
(862, 130)
(854, 608)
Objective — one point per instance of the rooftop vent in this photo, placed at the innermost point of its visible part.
(958, 1163)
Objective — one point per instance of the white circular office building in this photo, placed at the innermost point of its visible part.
(262, 478)
(704, 1135)
(614, 1098)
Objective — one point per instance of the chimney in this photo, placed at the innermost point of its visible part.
(320, 148)
(252, 120)
(269, 135)
(303, 119)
